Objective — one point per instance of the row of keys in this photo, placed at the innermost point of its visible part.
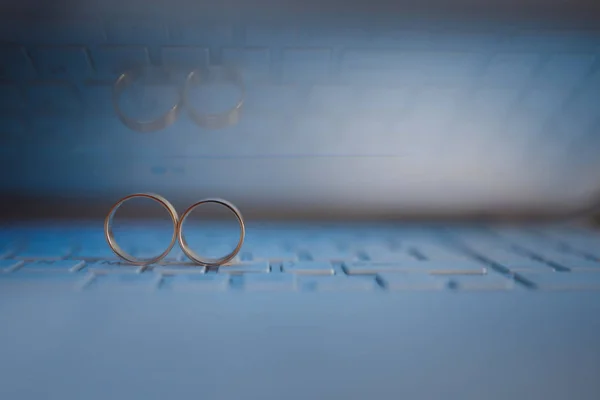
(301, 65)
(525, 252)
(297, 267)
(196, 281)
(355, 262)
(294, 267)
(275, 251)
(271, 254)
(540, 254)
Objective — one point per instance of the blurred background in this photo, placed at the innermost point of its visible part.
(375, 109)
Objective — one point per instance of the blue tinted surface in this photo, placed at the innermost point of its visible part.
(356, 112)
(76, 323)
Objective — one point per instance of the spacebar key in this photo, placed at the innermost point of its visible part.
(195, 283)
(430, 267)
(309, 267)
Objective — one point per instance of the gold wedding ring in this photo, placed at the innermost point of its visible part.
(108, 231)
(177, 232)
(210, 262)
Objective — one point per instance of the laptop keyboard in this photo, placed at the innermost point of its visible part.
(316, 259)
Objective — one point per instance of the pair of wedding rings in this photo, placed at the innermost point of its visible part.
(196, 77)
(177, 232)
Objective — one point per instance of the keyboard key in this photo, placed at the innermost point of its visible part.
(428, 267)
(513, 261)
(9, 265)
(59, 282)
(272, 253)
(574, 237)
(499, 253)
(15, 64)
(96, 253)
(520, 239)
(53, 266)
(309, 268)
(195, 282)
(142, 282)
(270, 282)
(306, 65)
(44, 251)
(537, 260)
(382, 253)
(567, 242)
(564, 280)
(571, 262)
(108, 267)
(337, 283)
(111, 61)
(588, 246)
(410, 281)
(489, 281)
(242, 268)
(435, 253)
(53, 98)
(62, 62)
(532, 266)
(179, 269)
(326, 252)
(254, 62)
